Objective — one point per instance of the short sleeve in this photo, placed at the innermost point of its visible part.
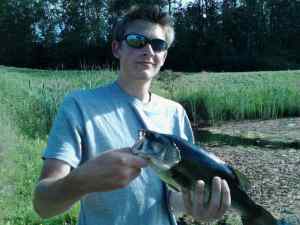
(65, 138)
(185, 127)
(188, 128)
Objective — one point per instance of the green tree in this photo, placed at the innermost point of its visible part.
(17, 32)
(284, 31)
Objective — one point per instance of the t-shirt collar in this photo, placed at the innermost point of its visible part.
(117, 90)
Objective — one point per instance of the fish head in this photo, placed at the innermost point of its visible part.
(161, 151)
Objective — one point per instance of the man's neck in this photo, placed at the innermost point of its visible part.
(136, 88)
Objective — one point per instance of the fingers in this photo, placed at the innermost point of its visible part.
(198, 205)
(110, 170)
(226, 198)
(136, 161)
(187, 200)
(126, 158)
(219, 202)
(215, 200)
(130, 175)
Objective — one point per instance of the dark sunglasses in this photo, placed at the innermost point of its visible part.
(140, 41)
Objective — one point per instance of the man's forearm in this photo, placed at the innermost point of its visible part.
(55, 196)
(60, 187)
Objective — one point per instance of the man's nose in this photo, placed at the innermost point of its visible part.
(148, 49)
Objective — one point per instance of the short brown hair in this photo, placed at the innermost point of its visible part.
(153, 14)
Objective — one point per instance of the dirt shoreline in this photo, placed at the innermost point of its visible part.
(273, 172)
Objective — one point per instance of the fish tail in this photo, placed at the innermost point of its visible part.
(260, 217)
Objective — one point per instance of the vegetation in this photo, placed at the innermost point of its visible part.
(20, 164)
(217, 97)
(208, 97)
(210, 34)
(29, 101)
(20, 171)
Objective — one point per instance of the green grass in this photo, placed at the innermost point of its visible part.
(20, 164)
(29, 100)
(216, 97)
(210, 97)
(36, 94)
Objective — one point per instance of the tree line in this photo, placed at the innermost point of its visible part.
(213, 35)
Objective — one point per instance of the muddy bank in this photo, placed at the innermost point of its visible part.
(268, 153)
(268, 133)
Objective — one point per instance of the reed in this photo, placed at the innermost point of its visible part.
(219, 97)
(29, 100)
(209, 98)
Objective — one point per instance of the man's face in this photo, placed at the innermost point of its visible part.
(142, 63)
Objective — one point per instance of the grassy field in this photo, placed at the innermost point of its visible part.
(208, 97)
(29, 100)
(238, 96)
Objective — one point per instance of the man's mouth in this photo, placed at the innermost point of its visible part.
(146, 63)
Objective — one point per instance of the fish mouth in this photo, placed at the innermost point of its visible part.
(159, 150)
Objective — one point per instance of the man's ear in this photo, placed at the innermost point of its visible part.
(115, 48)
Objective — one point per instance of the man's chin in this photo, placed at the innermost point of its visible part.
(147, 75)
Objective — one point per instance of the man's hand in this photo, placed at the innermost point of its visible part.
(111, 170)
(218, 204)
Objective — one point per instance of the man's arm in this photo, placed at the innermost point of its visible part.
(60, 187)
(56, 191)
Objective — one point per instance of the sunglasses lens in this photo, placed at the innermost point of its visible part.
(158, 45)
(136, 41)
(140, 41)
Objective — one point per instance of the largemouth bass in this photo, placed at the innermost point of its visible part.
(180, 164)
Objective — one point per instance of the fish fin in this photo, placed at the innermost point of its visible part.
(243, 180)
(173, 188)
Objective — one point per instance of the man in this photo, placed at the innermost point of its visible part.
(88, 154)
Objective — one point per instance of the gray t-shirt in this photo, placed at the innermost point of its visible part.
(92, 121)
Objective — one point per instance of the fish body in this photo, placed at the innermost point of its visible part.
(180, 164)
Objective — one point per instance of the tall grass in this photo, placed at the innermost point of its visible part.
(21, 174)
(239, 96)
(20, 165)
(33, 96)
(29, 100)
(208, 97)
(7, 137)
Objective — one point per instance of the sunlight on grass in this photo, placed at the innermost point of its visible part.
(29, 100)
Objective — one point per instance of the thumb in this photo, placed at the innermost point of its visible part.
(135, 160)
